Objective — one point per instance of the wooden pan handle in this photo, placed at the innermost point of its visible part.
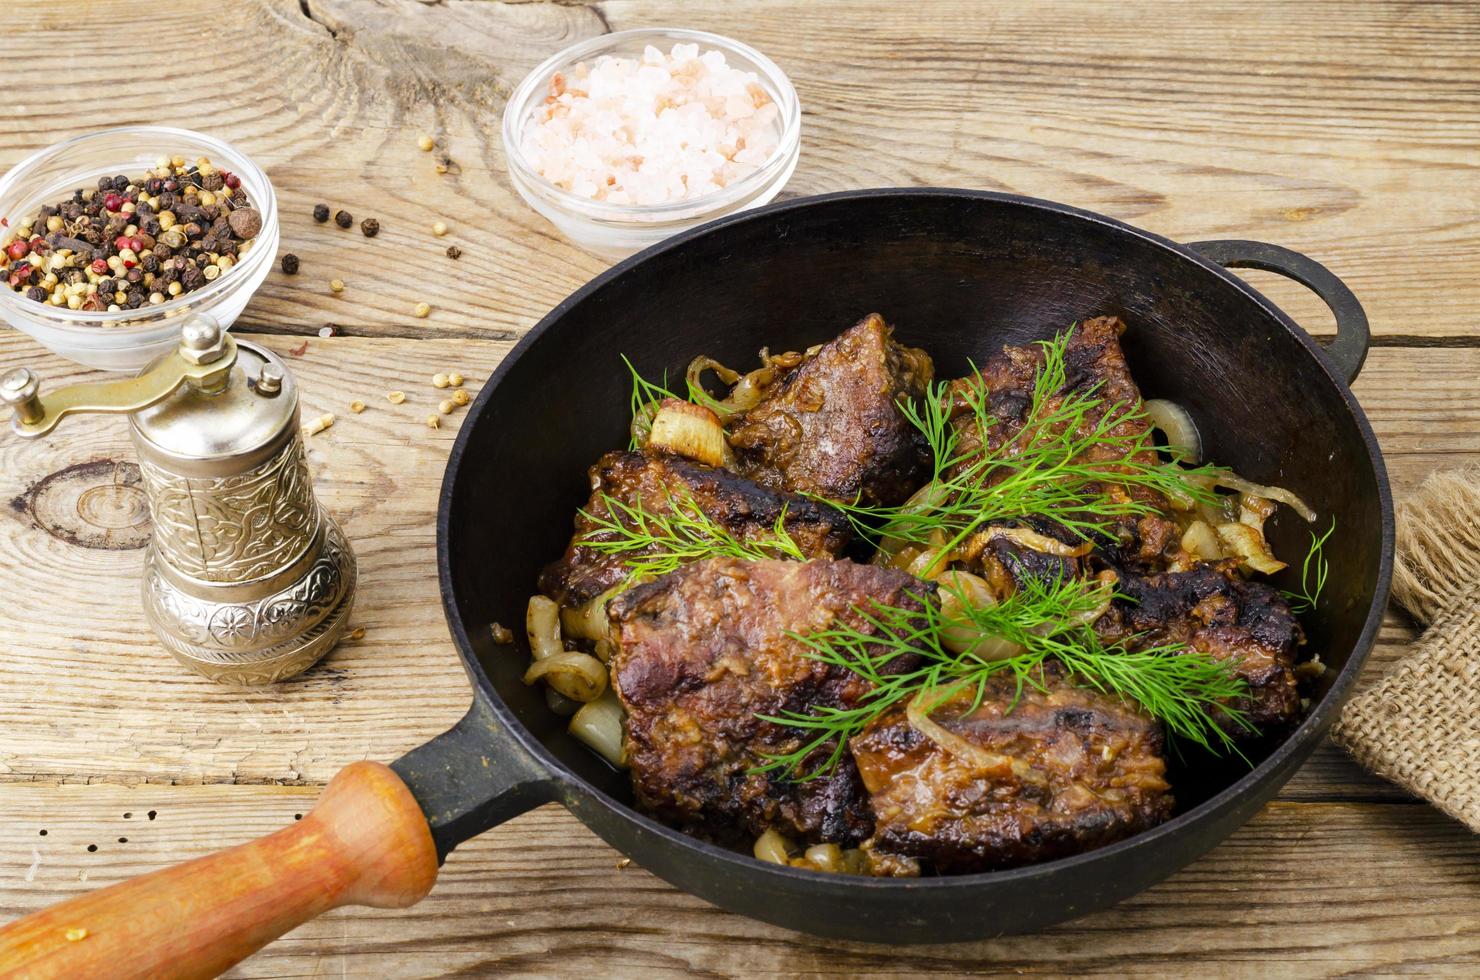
(366, 842)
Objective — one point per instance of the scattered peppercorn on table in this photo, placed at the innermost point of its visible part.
(1346, 130)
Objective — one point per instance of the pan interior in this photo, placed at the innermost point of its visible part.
(957, 274)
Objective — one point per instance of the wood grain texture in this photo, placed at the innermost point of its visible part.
(1345, 129)
(540, 896)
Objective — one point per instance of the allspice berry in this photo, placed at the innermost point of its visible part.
(344, 219)
(245, 222)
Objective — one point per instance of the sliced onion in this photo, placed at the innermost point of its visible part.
(965, 749)
(1234, 482)
(959, 592)
(825, 857)
(542, 625)
(922, 501)
(1201, 542)
(589, 621)
(578, 676)
(560, 704)
(1028, 538)
(1177, 425)
(599, 725)
(745, 392)
(773, 847)
(1249, 544)
(691, 431)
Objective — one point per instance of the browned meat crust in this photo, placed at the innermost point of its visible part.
(1213, 610)
(831, 426)
(1092, 360)
(741, 506)
(704, 650)
(1063, 771)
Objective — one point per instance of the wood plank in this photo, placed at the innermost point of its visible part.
(1344, 129)
(1303, 889)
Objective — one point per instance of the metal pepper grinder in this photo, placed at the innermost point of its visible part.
(246, 579)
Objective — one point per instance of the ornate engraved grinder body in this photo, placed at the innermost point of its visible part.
(246, 579)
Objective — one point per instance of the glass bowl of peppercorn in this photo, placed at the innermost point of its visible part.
(107, 239)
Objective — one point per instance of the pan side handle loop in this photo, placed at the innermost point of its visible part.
(472, 777)
(1353, 335)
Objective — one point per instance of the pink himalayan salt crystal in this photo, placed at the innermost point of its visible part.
(666, 128)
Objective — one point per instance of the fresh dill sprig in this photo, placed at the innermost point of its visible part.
(654, 543)
(1188, 691)
(1046, 469)
(1313, 573)
(646, 396)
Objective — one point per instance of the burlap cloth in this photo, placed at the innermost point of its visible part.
(1420, 725)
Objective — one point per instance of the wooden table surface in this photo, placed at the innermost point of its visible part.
(1350, 131)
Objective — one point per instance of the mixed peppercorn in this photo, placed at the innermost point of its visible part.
(133, 242)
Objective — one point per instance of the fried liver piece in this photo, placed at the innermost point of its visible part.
(1213, 610)
(1058, 772)
(831, 426)
(1093, 360)
(741, 506)
(702, 651)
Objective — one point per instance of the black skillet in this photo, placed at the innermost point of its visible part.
(958, 273)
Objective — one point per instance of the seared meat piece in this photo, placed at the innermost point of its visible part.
(832, 425)
(1212, 610)
(1092, 360)
(704, 650)
(1057, 773)
(742, 507)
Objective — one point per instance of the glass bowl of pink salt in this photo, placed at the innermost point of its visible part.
(628, 138)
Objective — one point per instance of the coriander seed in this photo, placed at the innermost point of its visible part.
(336, 285)
(290, 264)
(440, 381)
(445, 406)
(439, 229)
(433, 422)
(426, 143)
(370, 227)
(321, 213)
(357, 406)
(343, 219)
(395, 397)
(455, 379)
(461, 397)
(422, 310)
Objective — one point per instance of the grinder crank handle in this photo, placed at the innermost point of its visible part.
(366, 842)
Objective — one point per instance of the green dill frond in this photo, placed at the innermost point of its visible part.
(645, 398)
(653, 543)
(1188, 691)
(1313, 573)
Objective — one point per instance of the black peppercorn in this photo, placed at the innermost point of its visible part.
(290, 264)
(105, 183)
(370, 227)
(149, 263)
(321, 212)
(213, 181)
(120, 183)
(344, 219)
(453, 252)
(37, 294)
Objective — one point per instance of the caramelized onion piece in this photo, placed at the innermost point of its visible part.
(1028, 538)
(921, 721)
(960, 591)
(1235, 482)
(773, 847)
(1201, 542)
(578, 676)
(691, 431)
(542, 625)
(589, 621)
(599, 725)
(922, 501)
(1248, 544)
(1176, 423)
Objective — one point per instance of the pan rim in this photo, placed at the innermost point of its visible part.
(566, 781)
